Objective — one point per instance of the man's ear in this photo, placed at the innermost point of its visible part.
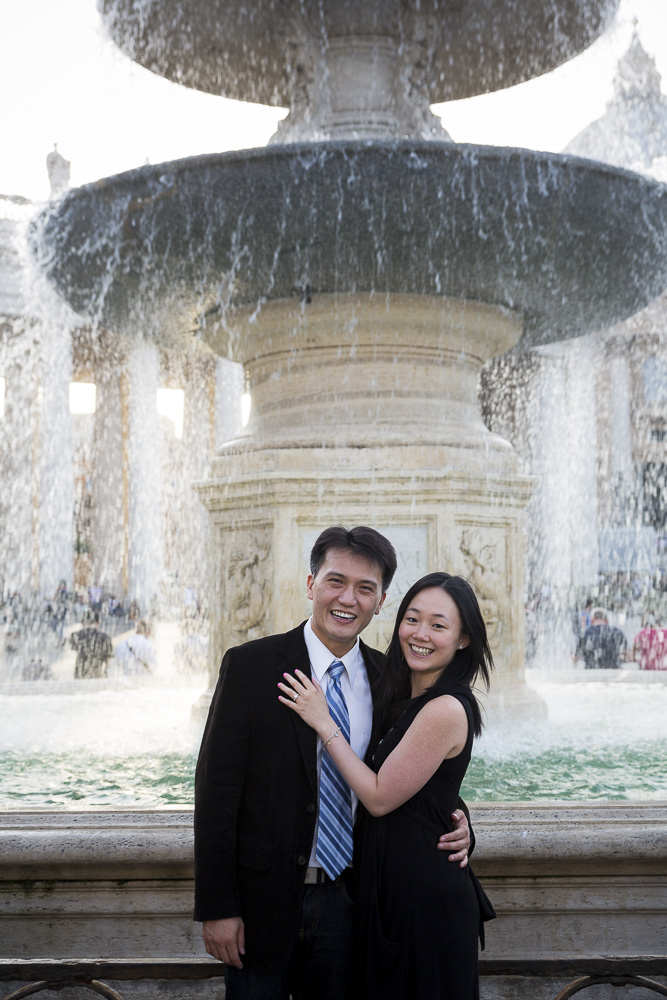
(379, 607)
(309, 586)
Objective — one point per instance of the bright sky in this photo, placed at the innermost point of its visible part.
(62, 81)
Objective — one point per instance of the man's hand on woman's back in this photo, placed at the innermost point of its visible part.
(458, 841)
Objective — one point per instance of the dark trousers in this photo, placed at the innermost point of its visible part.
(320, 967)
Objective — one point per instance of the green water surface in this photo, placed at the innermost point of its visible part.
(165, 780)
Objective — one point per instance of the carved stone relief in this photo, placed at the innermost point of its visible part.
(247, 586)
(484, 555)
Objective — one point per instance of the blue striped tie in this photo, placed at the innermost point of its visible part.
(334, 826)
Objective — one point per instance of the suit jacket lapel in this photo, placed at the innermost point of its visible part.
(373, 659)
(294, 656)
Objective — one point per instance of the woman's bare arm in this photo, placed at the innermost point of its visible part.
(439, 730)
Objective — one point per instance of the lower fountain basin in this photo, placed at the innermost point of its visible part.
(174, 249)
(89, 745)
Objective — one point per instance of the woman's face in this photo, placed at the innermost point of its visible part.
(430, 635)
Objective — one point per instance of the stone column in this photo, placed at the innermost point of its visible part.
(620, 450)
(19, 457)
(227, 403)
(370, 80)
(56, 462)
(108, 514)
(551, 514)
(186, 461)
(144, 475)
(583, 459)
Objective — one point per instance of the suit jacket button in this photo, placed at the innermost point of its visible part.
(301, 860)
(310, 808)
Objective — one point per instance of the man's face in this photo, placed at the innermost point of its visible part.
(346, 593)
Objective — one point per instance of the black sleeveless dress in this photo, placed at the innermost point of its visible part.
(419, 914)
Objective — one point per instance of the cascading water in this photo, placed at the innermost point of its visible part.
(562, 514)
(361, 275)
(591, 426)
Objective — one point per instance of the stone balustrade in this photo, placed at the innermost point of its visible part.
(569, 882)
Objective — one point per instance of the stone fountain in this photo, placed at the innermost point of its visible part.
(362, 268)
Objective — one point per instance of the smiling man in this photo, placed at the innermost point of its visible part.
(272, 876)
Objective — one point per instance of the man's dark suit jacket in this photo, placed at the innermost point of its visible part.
(256, 797)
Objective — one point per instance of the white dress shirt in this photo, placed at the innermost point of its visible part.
(357, 693)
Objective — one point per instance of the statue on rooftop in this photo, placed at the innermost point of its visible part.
(58, 169)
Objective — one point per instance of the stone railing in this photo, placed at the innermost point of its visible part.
(56, 975)
(580, 891)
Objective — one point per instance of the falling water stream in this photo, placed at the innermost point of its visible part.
(164, 255)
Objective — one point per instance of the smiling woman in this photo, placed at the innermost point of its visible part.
(410, 788)
(430, 635)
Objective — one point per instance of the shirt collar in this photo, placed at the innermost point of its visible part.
(321, 658)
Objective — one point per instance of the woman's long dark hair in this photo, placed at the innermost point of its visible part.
(473, 661)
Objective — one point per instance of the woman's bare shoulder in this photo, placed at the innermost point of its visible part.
(444, 708)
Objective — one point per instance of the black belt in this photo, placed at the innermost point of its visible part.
(316, 876)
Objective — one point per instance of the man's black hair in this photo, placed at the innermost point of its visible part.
(362, 541)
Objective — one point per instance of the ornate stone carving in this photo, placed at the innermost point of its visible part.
(483, 551)
(248, 572)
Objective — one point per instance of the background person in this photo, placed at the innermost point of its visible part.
(602, 645)
(137, 655)
(419, 917)
(650, 646)
(582, 618)
(93, 649)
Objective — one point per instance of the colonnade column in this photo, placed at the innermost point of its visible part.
(582, 497)
(19, 455)
(56, 483)
(108, 499)
(145, 475)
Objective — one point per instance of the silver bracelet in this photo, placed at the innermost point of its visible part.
(330, 738)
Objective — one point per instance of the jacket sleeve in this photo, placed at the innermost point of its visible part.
(219, 783)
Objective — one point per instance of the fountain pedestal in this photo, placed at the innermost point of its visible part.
(364, 410)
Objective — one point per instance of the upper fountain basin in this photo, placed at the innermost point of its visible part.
(260, 50)
(571, 245)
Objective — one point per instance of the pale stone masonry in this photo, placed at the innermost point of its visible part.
(567, 881)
